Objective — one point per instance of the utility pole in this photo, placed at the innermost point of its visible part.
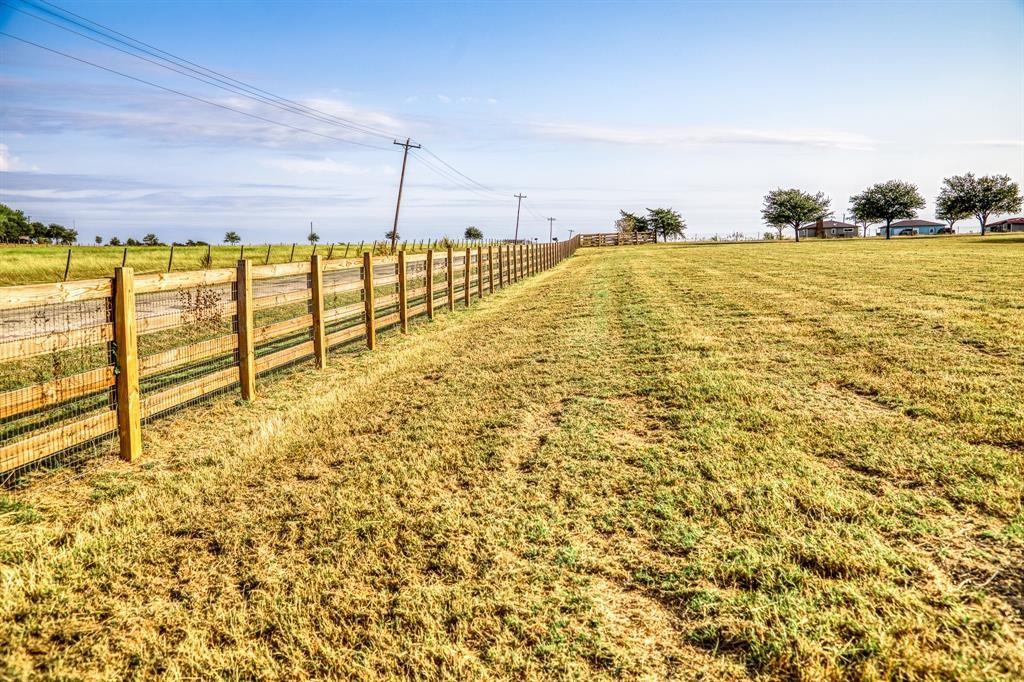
(515, 240)
(570, 233)
(551, 228)
(407, 145)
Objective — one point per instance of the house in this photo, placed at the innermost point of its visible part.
(908, 228)
(1007, 225)
(828, 229)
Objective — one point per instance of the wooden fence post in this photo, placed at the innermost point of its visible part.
(430, 284)
(490, 269)
(403, 293)
(126, 342)
(466, 272)
(501, 266)
(479, 271)
(451, 281)
(316, 272)
(368, 301)
(246, 343)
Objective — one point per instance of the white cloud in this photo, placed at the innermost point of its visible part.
(1010, 144)
(7, 162)
(314, 166)
(676, 137)
(444, 99)
(491, 100)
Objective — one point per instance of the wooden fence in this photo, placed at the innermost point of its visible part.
(84, 360)
(617, 238)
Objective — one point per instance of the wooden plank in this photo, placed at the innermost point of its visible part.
(341, 312)
(384, 281)
(417, 309)
(246, 338)
(126, 340)
(386, 320)
(346, 334)
(56, 439)
(368, 295)
(403, 293)
(355, 285)
(280, 270)
(479, 272)
(386, 300)
(54, 392)
(316, 268)
(172, 281)
(180, 394)
(342, 264)
(55, 341)
(186, 355)
(283, 357)
(157, 323)
(274, 300)
(269, 332)
(24, 296)
(429, 275)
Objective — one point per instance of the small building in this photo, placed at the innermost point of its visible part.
(909, 228)
(1007, 225)
(828, 229)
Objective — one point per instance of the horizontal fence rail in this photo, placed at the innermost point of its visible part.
(82, 362)
(616, 238)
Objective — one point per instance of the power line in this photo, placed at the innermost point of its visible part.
(284, 105)
(186, 64)
(193, 97)
(478, 184)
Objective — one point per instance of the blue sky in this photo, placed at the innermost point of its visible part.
(584, 107)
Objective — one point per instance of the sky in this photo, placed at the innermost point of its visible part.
(586, 108)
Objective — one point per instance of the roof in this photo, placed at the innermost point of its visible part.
(827, 224)
(916, 223)
(1008, 221)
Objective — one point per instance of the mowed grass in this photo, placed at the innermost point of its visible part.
(778, 461)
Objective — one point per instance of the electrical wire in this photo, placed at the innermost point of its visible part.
(192, 66)
(194, 97)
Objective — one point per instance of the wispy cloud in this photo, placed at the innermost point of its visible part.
(325, 165)
(677, 137)
(1008, 144)
(444, 99)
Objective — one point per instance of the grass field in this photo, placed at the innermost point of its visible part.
(768, 460)
(39, 264)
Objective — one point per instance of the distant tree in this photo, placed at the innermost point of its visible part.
(99, 240)
(771, 236)
(981, 197)
(151, 240)
(132, 242)
(13, 224)
(792, 208)
(886, 202)
(231, 237)
(864, 223)
(37, 232)
(313, 237)
(665, 222)
(473, 233)
(392, 236)
(114, 241)
(952, 204)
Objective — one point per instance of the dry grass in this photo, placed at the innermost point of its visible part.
(789, 461)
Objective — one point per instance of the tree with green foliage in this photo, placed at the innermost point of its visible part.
(231, 237)
(629, 223)
(13, 224)
(313, 237)
(792, 208)
(886, 202)
(473, 233)
(665, 222)
(151, 240)
(99, 240)
(114, 241)
(952, 203)
(981, 197)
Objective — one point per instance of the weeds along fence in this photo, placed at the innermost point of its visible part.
(616, 238)
(84, 361)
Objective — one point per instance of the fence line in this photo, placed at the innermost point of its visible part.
(83, 361)
(616, 238)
